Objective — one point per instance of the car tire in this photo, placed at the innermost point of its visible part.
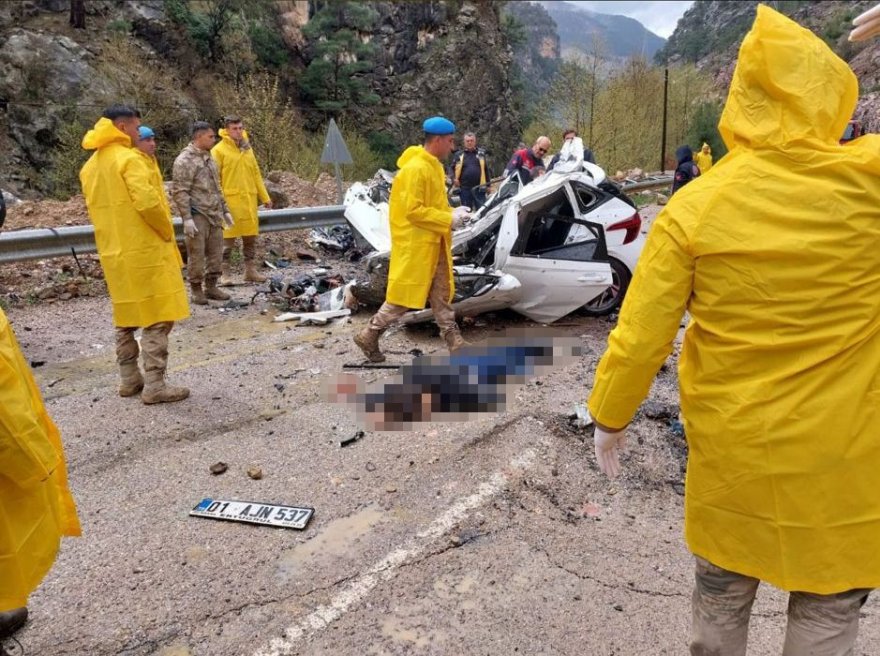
(610, 300)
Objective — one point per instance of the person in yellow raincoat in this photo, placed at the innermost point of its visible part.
(775, 258)
(244, 190)
(36, 507)
(421, 241)
(138, 252)
(703, 159)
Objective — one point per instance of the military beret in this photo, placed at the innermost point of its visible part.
(145, 132)
(438, 125)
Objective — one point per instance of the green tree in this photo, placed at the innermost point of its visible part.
(704, 128)
(336, 78)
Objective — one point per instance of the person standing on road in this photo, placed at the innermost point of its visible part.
(470, 173)
(195, 189)
(421, 241)
(244, 190)
(686, 169)
(774, 258)
(36, 507)
(138, 253)
(703, 159)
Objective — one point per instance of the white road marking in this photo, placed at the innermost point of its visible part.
(386, 568)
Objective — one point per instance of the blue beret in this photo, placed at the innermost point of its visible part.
(438, 125)
(146, 132)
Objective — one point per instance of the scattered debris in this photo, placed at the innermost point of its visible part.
(391, 489)
(316, 318)
(591, 510)
(371, 365)
(659, 410)
(676, 427)
(580, 418)
(351, 440)
(219, 468)
(255, 473)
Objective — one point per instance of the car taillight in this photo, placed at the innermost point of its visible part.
(632, 225)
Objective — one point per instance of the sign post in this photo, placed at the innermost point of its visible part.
(336, 153)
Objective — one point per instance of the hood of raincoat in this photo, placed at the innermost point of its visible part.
(412, 152)
(104, 133)
(706, 148)
(773, 102)
(245, 139)
(684, 154)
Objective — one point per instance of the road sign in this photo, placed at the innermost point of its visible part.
(335, 150)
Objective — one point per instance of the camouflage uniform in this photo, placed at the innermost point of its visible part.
(196, 192)
(722, 605)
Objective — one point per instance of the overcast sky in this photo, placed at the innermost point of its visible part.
(659, 17)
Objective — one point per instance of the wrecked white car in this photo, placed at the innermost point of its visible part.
(563, 242)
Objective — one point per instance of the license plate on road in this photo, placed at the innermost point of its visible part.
(253, 512)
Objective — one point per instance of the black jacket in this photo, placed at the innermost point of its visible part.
(686, 170)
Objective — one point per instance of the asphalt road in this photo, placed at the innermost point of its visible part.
(497, 536)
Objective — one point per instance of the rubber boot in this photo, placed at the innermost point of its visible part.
(368, 341)
(11, 621)
(454, 340)
(132, 380)
(157, 391)
(198, 296)
(213, 292)
(249, 248)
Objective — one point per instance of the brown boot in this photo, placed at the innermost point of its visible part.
(11, 621)
(226, 277)
(251, 274)
(212, 292)
(132, 380)
(198, 296)
(157, 391)
(368, 341)
(454, 340)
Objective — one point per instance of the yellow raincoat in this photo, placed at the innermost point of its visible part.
(703, 159)
(133, 231)
(157, 182)
(242, 185)
(36, 507)
(421, 228)
(775, 258)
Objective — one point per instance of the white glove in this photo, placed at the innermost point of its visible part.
(459, 214)
(608, 447)
(866, 25)
(227, 221)
(189, 228)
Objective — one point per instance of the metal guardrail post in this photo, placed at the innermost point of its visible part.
(45, 243)
(659, 181)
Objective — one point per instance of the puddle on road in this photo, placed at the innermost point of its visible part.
(337, 538)
(418, 637)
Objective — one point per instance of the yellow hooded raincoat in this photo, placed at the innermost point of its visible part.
(133, 231)
(157, 182)
(242, 184)
(775, 257)
(36, 507)
(703, 158)
(421, 228)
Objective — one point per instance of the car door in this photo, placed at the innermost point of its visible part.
(560, 261)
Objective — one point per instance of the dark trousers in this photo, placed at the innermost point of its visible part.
(473, 197)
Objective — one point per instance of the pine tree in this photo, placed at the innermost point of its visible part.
(335, 79)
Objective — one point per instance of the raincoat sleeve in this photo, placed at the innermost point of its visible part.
(145, 199)
(420, 210)
(648, 324)
(262, 192)
(26, 456)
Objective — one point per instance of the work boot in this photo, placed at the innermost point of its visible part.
(368, 341)
(212, 292)
(11, 621)
(251, 274)
(454, 340)
(226, 276)
(157, 391)
(198, 296)
(132, 380)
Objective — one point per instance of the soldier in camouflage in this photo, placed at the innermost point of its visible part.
(199, 199)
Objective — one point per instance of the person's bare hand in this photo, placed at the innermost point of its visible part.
(866, 25)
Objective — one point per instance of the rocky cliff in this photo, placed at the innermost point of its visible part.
(440, 56)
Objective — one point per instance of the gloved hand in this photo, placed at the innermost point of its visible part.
(227, 221)
(459, 214)
(608, 447)
(866, 24)
(189, 228)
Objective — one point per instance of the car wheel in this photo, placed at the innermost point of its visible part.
(610, 300)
